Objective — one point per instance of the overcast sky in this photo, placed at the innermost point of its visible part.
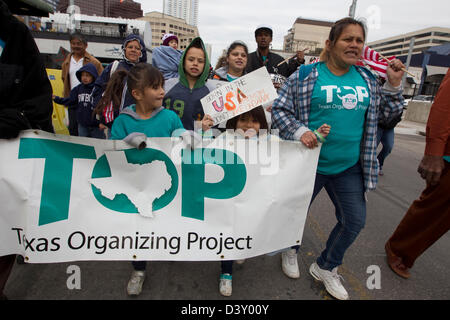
(223, 21)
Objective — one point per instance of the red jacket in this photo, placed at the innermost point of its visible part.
(438, 125)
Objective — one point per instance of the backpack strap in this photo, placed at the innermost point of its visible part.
(305, 70)
(114, 66)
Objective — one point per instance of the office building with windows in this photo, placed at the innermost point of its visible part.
(307, 33)
(126, 9)
(183, 9)
(162, 23)
(424, 39)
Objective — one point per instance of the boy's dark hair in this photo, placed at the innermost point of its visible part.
(140, 76)
(256, 113)
(196, 43)
(78, 36)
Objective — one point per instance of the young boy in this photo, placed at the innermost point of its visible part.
(167, 57)
(80, 99)
(183, 94)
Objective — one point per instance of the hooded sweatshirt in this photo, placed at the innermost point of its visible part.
(183, 100)
(162, 123)
(81, 99)
(102, 80)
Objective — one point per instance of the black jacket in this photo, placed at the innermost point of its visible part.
(286, 69)
(25, 91)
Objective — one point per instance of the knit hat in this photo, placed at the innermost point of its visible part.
(167, 37)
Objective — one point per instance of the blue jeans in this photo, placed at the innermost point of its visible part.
(386, 137)
(346, 191)
(92, 132)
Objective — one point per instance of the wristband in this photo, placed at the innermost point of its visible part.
(319, 136)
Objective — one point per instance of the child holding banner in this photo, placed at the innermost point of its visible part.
(146, 118)
(245, 125)
(183, 94)
(235, 63)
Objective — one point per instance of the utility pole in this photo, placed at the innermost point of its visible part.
(408, 59)
(351, 11)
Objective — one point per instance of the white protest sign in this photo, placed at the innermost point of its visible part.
(72, 198)
(239, 96)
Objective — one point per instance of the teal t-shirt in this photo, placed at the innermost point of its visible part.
(2, 45)
(163, 124)
(231, 78)
(447, 158)
(341, 102)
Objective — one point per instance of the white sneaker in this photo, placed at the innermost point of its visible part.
(289, 264)
(225, 284)
(331, 280)
(134, 287)
(240, 261)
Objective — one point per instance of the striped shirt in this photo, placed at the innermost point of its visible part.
(290, 115)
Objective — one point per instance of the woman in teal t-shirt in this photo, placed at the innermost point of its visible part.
(348, 98)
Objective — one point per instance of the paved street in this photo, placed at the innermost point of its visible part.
(261, 277)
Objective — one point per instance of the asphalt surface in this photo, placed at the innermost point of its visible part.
(261, 278)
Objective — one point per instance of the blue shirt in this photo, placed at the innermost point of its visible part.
(341, 102)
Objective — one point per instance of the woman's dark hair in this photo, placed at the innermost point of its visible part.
(256, 113)
(235, 44)
(336, 30)
(140, 76)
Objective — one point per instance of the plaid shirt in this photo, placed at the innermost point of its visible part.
(290, 113)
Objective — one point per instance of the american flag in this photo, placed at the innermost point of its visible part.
(108, 113)
(374, 60)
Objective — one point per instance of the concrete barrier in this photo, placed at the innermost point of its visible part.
(418, 111)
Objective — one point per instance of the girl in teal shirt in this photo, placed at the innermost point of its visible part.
(146, 118)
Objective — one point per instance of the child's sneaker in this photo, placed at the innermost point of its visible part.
(225, 284)
(134, 287)
(289, 264)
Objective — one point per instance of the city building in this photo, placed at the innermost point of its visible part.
(162, 23)
(428, 66)
(105, 36)
(126, 9)
(183, 9)
(424, 39)
(52, 3)
(307, 33)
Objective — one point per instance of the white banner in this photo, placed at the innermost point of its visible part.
(72, 198)
(239, 96)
